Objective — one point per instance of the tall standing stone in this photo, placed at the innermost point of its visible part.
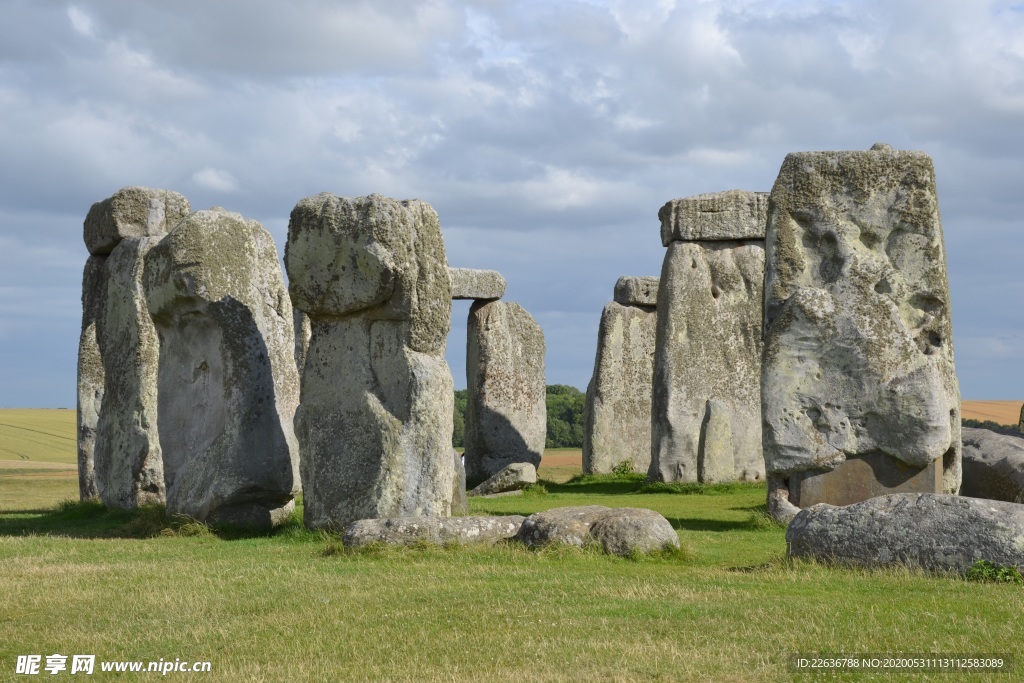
(506, 411)
(128, 462)
(118, 449)
(227, 381)
(90, 372)
(375, 421)
(859, 390)
(705, 405)
(617, 422)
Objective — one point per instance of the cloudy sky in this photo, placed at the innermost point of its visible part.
(546, 134)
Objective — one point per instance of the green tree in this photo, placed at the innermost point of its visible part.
(459, 415)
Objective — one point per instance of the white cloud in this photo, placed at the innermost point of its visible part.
(216, 179)
(81, 22)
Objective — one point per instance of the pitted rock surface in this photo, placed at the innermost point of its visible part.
(617, 422)
(636, 291)
(437, 530)
(227, 381)
(706, 398)
(128, 463)
(858, 353)
(470, 283)
(730, 215)
(506, 413)
(937, 532)
(132, 212)
(619, 531)
(375, 423)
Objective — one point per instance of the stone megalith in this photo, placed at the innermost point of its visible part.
(118, 449)
(480, 285)
(227, 381)
(303, 332)
(90, 372)
(705, 403)
(127, 460)
(506, 410)
(617, 421)
(375, 421)
(859, 391)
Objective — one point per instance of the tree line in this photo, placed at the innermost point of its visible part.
(565, 408)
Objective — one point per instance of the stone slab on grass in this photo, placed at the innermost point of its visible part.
(619, 531)
(439, 530)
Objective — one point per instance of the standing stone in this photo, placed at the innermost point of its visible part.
(859, 390)
(227, 382)
(617, 421)
(375, 422)
(705, 405)
(118, 449)
(303, 333)
(90, 372)
(128, 463)
(132, 212)
(506, 411)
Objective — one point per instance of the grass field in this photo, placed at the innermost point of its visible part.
(294, 606)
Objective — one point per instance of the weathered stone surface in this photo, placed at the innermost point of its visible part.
(227, 381)
(438, 530)
(132, 212)
(303, 326)
(708, 358)
(469, 283)
(513, 477)
(636, 291)
(1020, 423)
(90, 372)
(506, 413)
(619, 531)
(858, 354)
(936, 532)
(730, 215)
(375, 422)
(617, 421)
(127, 459)
(862, 477)
(993, 466)
(375, 256)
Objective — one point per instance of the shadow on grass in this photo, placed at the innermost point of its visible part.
(91, 519)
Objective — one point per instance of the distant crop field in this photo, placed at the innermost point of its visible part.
(29, 437)
(1000, 412)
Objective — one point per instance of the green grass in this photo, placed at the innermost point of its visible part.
(294, 605)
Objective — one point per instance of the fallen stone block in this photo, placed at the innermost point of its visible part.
(619, 531)
(993, 466)
(436, 530)
(935, 532)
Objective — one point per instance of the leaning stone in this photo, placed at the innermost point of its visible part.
(858, 353)
(636, 291)
(512, 477)
(483, 285)
(435, 530)
(128, 461)
(90, 372)
(619, 531)
(993, 465)
(708, 356)
(227, 381)
(617, 421)
(730, 215)
(375, 424)
(506, 412)
(936, 532)
(132, 212)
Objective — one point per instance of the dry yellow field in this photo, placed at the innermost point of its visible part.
(1001, 412)
(33, 437)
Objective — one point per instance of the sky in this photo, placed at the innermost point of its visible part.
(546, 134)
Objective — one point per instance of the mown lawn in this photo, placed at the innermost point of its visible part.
(295, 606)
